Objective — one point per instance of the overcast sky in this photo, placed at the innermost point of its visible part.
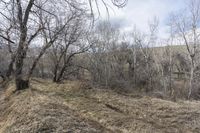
(139, 12)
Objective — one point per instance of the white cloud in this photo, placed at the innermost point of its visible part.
(139, 12)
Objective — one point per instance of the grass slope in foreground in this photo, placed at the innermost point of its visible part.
(76, 107)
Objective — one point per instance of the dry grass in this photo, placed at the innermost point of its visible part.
(77, 107)
(32, 111)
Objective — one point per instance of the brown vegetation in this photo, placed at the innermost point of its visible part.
(77, 107)
(102, 79)
(34, 111)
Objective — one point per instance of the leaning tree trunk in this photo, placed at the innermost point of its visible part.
(61, 74)
(35, 62)
(58, 75)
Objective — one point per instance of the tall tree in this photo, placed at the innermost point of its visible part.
(186, 25)
(32, 20)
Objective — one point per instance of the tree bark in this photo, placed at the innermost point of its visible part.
(10, 68)
(55, 72)
(19, 62)
(2, 76)
(20, 83)
(22, 46)
(35, 63)
(59, 77)
(191, 79)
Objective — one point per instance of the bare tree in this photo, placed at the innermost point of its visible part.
(107, 57)
(52, 33)
(146, 44)
(24, 18)
(187, 28)
(31, 21)
(72, 43)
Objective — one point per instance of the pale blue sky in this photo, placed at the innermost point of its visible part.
(139, 12)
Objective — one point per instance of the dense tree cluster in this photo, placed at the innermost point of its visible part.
(61, 40)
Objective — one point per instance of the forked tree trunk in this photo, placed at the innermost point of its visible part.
(59, 72)
(23, 45)
(60, 75)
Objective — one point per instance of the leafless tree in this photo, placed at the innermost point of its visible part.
(31, 20)
(145, 44)
(104, 57)
(26, 21)
(186, 24)
(73, 43)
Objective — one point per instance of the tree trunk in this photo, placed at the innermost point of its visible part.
(54, 78)
(23, 45)
(55, 72)
(60, 76)
(35, 62)
(19, 62)
(21, 84)
(2, 76)
(191, 80)
(55, 75)
(10, 68)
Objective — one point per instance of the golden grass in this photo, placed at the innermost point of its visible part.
(94, 110)
(33, 111)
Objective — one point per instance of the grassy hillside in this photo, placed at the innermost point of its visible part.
(77, 107)
(175, 49)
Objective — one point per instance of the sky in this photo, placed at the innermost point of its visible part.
(138, 13)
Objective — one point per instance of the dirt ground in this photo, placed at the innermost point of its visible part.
(76, 107)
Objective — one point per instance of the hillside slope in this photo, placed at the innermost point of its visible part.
(76, 107)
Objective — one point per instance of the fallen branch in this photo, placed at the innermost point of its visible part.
(114, 108)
